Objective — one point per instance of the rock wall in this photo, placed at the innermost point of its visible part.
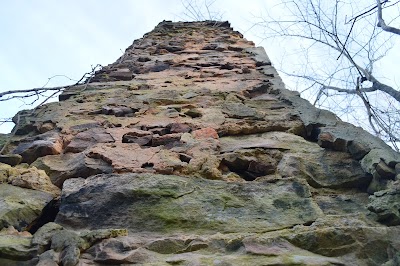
(188, 150)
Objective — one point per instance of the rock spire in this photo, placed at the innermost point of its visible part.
(188, 150)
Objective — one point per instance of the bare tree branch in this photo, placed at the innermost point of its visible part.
(40, 92)
(352, 47)
(381, 21)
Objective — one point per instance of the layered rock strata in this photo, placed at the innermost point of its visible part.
(188, 150)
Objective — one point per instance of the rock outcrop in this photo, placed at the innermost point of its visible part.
(188, 150)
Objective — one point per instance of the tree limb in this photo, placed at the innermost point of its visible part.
(381, 21)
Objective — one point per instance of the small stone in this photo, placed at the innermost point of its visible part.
(70, 256)
(11, 159)
(46, 127)
(88, 138)
(122, 74)
(49, 143)
(142, 141)
(159, 130)
(166, 246)
(385, 171)
(246, 70)
(205, 133)
(238, 110)
(179, 128)
(171, 113)
(193, 113)
(329, 141)
(357, 150)
(48, 258)
(325, 140)
(20, 207)
(16, 247)
(43, 235)
(169, 139)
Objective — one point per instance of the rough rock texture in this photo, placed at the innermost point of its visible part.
(188, 150)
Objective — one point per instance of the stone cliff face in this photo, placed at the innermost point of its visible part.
(188, 150)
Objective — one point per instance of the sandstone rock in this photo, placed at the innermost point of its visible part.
(70, 256)
(193, 143)
(49, 258)
(205, 133)
(325, 169)
(121, 74)
(20, 207)
(88, 138)
(64, 166)
(259, 55)
(45, 144)
(179, 128)
(327, 140)
(251, 163)
(168, 140)
(28, 178)
(386, 205)
(45, 127)
(42, 238)
(11, 159)
(358, 150)
(385, 171)
(270, 140)
(335, 237)
(141, 140)
(130, 157)
(15, 248)
(240, 206)
(371, 160)
(238, 110)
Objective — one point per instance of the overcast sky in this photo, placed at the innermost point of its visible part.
(43, 38)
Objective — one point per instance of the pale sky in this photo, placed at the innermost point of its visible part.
(43, 38)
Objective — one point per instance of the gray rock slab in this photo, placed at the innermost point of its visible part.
(160, 203)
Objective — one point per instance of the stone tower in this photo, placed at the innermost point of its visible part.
(188, 150)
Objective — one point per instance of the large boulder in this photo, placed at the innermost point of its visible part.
(30, 177)
(44, 144)
(160, 203)
(64, 166)
(20, 207)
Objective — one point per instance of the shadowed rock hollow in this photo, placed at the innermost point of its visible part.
(188, 150)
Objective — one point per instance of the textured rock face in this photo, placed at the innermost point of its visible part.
(188, 150)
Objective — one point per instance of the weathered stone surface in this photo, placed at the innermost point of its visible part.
(374, 157)
(270, 140)
(11, 159)
(88, 138)
(205, 133)
(42, 238)
(31, 178)
(192, 142)
(386, 205)
(63, 166)
(325, 169)
(19, 207)
(41, 145)
(15, 248)
(65, 245)
(130, 157)
(121, 74)
(171, 204)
